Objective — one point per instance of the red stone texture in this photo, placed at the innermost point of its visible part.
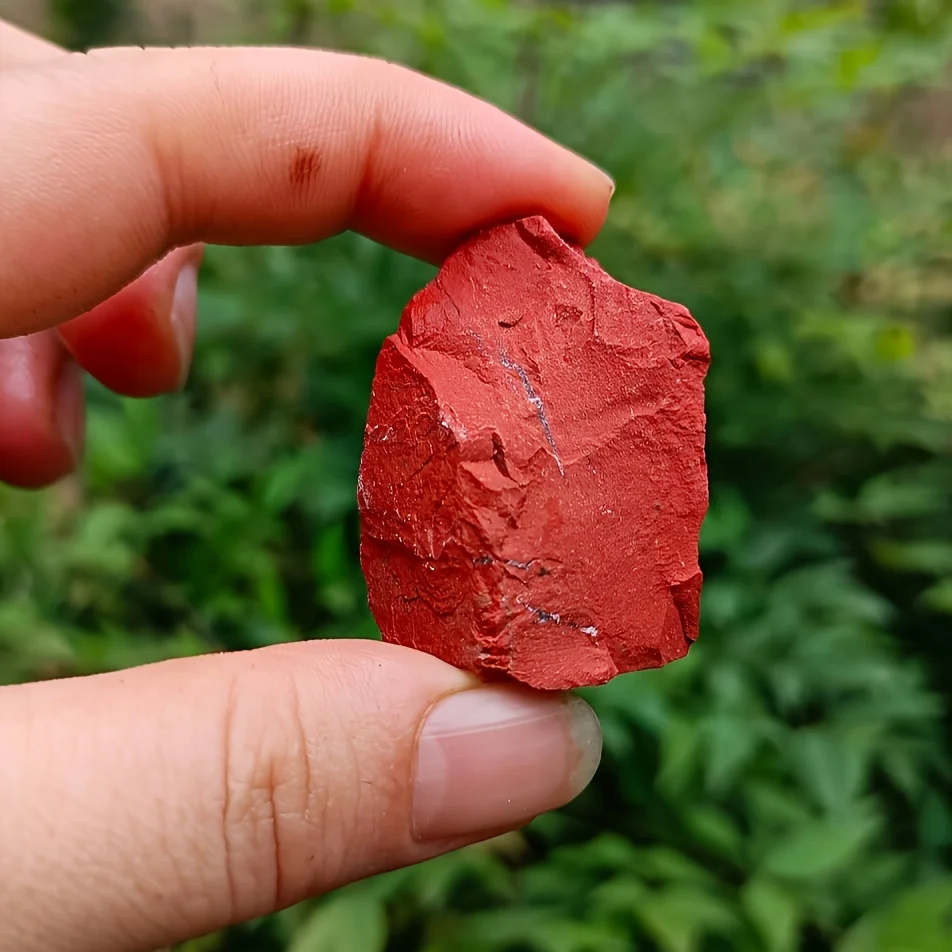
(533, 478)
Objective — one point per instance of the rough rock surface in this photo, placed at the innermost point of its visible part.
(533, 478)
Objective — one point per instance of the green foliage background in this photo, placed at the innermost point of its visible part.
(786, 787)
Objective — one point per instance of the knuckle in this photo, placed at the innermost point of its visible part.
(274, 804)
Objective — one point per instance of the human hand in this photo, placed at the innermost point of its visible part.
(143, 807)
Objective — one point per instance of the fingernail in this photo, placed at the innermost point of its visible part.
(184, 304)
(608, 179)
(493, 758)
(69, 410)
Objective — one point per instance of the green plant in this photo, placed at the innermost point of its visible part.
(81, 24)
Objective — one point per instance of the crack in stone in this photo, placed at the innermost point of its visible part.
(542, 617)
(536, 402)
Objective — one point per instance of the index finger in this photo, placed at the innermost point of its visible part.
(111, 159)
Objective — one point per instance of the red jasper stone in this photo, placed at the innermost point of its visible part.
(533, 478)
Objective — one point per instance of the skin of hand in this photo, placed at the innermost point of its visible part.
(147, 806)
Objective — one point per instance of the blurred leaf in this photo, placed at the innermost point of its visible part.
(715, 831)
(774, 911)
(818, 848)
(918, 920)
(30, 645)
(542, 930)
(832, 767)
(680, 750)
(729, 743)
(727, 522)
(923, 555)
(678, 917)
(939, 596)
(350, 921)
(669, 866)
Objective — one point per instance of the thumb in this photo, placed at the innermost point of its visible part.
(151, 805)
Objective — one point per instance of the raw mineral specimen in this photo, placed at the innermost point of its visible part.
(533, 478)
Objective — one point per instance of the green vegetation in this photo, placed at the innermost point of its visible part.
(787, 787)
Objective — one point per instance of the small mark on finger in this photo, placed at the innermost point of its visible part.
(304, 166)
